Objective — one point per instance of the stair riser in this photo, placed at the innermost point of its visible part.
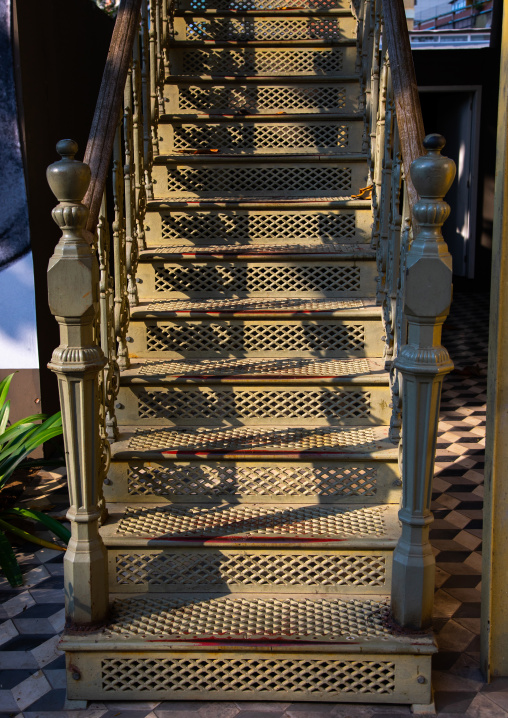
(247, 137)
(253, 406)
(233, 227)
(259, 29)
(331, 62)
(234, 179)
(245, 481)
(214, 279)
(252, 337)
(257, 675)
(135, 570)
(260, 97)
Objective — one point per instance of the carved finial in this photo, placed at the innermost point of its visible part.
(433, 174)
(68, 178)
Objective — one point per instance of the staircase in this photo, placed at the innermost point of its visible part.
(253, 492)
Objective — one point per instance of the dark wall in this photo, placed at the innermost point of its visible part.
(470, 67)
(60, 48)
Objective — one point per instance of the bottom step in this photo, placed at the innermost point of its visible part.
(212, 647)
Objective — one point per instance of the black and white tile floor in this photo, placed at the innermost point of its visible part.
(32, 676)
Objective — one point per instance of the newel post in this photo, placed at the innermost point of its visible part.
(73, 281)
(423, 363)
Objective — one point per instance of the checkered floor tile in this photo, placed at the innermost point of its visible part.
(32, 676)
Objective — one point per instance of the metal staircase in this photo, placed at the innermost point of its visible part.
(250, 509)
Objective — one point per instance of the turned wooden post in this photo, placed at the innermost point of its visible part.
(423, 362)
(73, 282)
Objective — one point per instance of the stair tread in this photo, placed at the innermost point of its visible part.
(275, 13)
(264, 202)
(358, 623)
(261, 44)
(287, 157)
(161, 308)
(352, 526)
(324, 251)
(288, 78)
(224, 117)
(305, 441)
(353, 371)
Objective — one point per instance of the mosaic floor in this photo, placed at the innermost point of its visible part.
(32, 676)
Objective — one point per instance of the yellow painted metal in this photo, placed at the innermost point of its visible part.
(494, 633)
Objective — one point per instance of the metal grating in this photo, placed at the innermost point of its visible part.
(265, 99)
(178, 521)
(252, 61)
(307, 619)
(219, 404)
(240, 137)
(228, 338)
(249, 676)
(253, 438)
(237, 250)
(267, 180)
(247, 28)
(229, 227)
(224, 5)
(205, 568)
(224, 480)
(257, 367)
(225, 278)
(274, 304)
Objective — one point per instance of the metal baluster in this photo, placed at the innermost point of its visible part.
(131, 240)
(146, 100)
(138, 148)
(121, 304)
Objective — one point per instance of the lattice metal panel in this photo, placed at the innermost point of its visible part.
(229, 480)
(254, 98)
(306, 619)
(204, 568)
(249, 28)
(260, 367)
(201, 676)
(252, 438)
(220, 404)
(230, 227)
(253, 337)
(238, 279)
(252, 61)
(273, 304)
(267, 180)
(261, 136)
(179, 520)
(223, 5)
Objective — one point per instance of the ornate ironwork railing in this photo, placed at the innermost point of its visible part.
(92, 277)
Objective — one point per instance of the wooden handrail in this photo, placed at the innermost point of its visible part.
(405, 89)
(109, 103)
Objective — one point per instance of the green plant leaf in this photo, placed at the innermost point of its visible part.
(29, 419)
(29, 537)
(4, 388)
(8, 562)
(51, 523)
(4, 416)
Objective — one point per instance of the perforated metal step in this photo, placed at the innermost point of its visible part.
(326, 62)
(259, 29)
(260, 5)
(260, 251)
(260, 570)
(310, 225)
(161, 443)
(283, 278)
(244, 137)
(208, 177)
(245, 479)
(260, 96)
(353, 371)
(268, 307)
(356, 525)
